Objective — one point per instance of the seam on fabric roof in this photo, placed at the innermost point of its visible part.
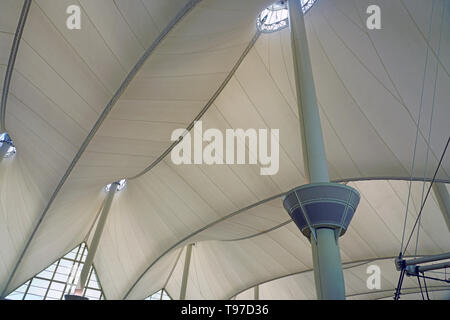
(129, 27)
(186, 9)
(345, 266)
(230, 167)
(193, 234)
(65, 141)
(294, 163)
(209, 50)
(255, 205)
(416, 209)
(32, 84)
(260, 233)
(424, 38)
(185, 75)
(399, 99)
(173, 268)
(379, 58)
(150, 16)
(354, 100)
(88, 66)
(113, 53)
(205, 108)
(192, 189)
(247, 148)
(339, 138)
(282, 147)
(12, 61)
(383, 222)
(61, 78)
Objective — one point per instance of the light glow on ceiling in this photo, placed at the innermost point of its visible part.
(120, 185)
(276, 16)
(4, 138)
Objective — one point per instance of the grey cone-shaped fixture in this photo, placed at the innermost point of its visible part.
(322, 205)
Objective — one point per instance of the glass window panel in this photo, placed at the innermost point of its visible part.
(45, 274)
(94, 294)
(23, 287)
(65, 263)
(57, 286)
(58, 277)
(15, 296)
(34, 297)
(71, 255)
(36, 291)
(93, 284)
(41, 283)
(54, 294)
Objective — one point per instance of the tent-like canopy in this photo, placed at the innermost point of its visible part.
(89, 107)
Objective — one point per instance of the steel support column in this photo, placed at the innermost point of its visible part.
(323, 236)
(316, 166)
(96, 239)
(443, 199)
(187, 262)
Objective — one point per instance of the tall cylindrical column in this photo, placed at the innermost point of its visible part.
(311, 131)
(96, 239)
(328, 273)
(443, 199)
(187, 262)
(327, 266)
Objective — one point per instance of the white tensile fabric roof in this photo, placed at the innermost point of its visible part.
(204, 59)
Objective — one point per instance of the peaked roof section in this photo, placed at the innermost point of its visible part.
(59, 279)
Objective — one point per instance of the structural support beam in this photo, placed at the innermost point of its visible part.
(256, 292)
(314, 208)
(427, 259)
(316, 166)
(443, 199)
(187, 262)
(328, 274)
(96, 239)
(12, 61)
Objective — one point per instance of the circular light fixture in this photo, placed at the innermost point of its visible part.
(5, 138)
(119, 184)
(276, 16)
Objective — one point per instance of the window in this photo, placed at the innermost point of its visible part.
(60, 279)
(5, 138)
(159, 295)
(276, 16)
(120, 185)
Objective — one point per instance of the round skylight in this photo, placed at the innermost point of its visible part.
(119, 184)
(276, 16)
(4, 138)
